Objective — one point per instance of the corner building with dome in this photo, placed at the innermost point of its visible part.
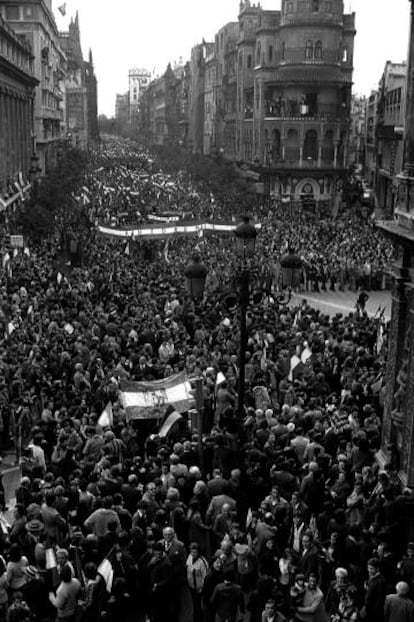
(294, 87)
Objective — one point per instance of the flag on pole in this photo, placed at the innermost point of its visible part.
(306, 353)
(220, 378)
(106, 420)
(168, 423)
(263, 359)
(165, 251)
(294, 362)
(106, 569)
(62, 9)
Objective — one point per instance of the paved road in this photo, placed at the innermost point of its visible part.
(331, 303)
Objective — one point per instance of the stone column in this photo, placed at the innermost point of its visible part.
(397, 336)
(407, 465)
(335, 163)
(409, 112)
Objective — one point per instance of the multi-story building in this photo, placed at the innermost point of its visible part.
(294, 95)
(199, 53)
(210, 76)
(160, 109)
(370, 169)
(226, 90)
(357, 130)
(183, 105)
(80, 108)
(139, 80)
(122, 110)
(34, 20)
(389, 133)
(17, 89)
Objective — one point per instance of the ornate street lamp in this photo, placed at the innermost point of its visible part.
(195, 278)
(291, 265)
(245, 235)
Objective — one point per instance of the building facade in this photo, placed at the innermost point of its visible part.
(273, 93)
(390, 133)
(80, 106)
(17, 90)
(294, 95)
(34, 20)
(370, 169)
(357, 131)
(226, 90)
(138, 80)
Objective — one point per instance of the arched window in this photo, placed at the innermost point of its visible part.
(292, 152)
(310, 146)
(270, 53)
(258, 52)
(276, 145)
(282, 52)
(249, 62)
(328, 147)
(317, 54)
(309, 50)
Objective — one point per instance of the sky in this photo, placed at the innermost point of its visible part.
(151, 33)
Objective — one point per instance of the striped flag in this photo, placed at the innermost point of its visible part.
(147, 400)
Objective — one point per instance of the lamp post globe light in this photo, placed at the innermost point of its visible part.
(245, 235)
(195, 278)
(291, 265)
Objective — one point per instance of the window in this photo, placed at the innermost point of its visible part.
(12, 12)
(282, 52)
(29, 12)
(249, 61)
(270, 53)
(318, 51)
(309, 50)
(315, 6)
(345, 55)
(329, 7)
(258, 53)
(289, 8)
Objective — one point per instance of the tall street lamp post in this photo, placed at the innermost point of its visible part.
(245, 237)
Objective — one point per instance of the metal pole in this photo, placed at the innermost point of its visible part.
(200, 412)
(244, 301)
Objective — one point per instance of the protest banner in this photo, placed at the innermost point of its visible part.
(149, 400)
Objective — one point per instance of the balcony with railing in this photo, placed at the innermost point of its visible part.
(295, 109)
(299, 56)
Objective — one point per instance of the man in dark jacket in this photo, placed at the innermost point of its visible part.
(161, 584)
(399, 607)
(227, 599)
(373, 610)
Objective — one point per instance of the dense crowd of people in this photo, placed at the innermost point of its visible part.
(279, 512)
